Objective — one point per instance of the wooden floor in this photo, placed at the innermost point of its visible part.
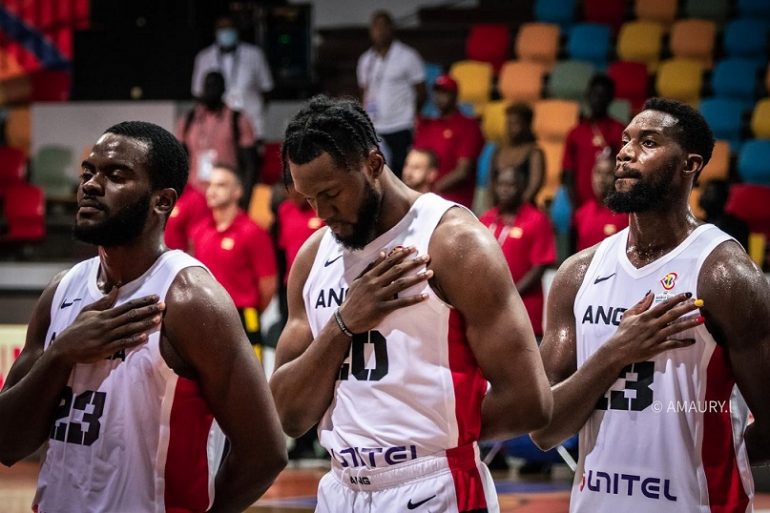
(294, 492)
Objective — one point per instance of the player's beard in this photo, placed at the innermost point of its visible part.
(647, 194)
(368, 215)
(116, 230)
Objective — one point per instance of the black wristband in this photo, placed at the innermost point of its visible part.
(341, 324)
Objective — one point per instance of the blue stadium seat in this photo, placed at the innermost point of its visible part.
(561, 12)
(754, 162)
(746, 38)
(736, 78)
(484, 164)
(725, 117)
(590, 42)
(753, 8)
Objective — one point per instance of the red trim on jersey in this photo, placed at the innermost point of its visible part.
(725, 486)
(187, 470)
(469, 389)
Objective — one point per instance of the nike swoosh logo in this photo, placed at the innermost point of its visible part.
(598, 280)
(330, 262)
(415, 505)
(64, 303)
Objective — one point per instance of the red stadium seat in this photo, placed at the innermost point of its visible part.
(749, 202)
(630, 82)
(489, 42)
(609, 12)
(24, 213)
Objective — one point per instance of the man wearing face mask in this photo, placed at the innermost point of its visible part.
(213, 134)
(244, 67)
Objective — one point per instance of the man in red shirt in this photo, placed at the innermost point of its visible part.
(594, 221)
(456, 140)
(589, 139)
(296, 222)
(237, 251)
(526, 237)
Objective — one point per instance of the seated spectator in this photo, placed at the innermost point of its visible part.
(520, 149)
(526, 237)
(594, 221)
(420, 169)
(713, 199)
(212, 133)
(237, 251)
(456, 141)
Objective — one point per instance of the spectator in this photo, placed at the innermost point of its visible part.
(212, 133)
(588, 139)
(520, 149)
(391, 77)
(247, 75)
(420, 169)
(526, 237)
(456, 140)
(594, 221)
(296, 222)
(712, 200)
(237, 251)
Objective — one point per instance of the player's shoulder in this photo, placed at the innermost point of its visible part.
(729, 268)
(459, 235)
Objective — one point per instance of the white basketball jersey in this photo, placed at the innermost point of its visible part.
(130, 436)
(668, 435)
(410, 387)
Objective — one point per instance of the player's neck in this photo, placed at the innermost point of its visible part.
(224, 216)
(653, 234)
(122, 264)
(397, 199)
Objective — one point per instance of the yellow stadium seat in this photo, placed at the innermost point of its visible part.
(718, 167)
(640, 41)
(553, 119)
(259, 206)
(538, 42)
(553, 152)
(17, 129)
(521, 81)
(680, 79)
(474, 80)
(493, 121)
(660, 11)
(694, 39)
(760, 119)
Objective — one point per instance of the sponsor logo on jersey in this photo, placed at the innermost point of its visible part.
(669, 281)
(329, 298)
(631, 485)
(598, 314)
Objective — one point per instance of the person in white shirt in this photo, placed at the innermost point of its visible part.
(391, 77)
(247, 75)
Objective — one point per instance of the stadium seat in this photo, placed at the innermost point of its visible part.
(12, 168)
(660, 11)
(725, 117)
(630, 82)
(714, 10)
(560, 12)
(718, 167)
(553, 152)
(488, 42)
(24, 210)
(553, 119)
(538, 42)
(760, 119)
(608, 12)
(640, 41)
(521, 81)
(694, 39)
(736, 78)
(754, 162)
(493, 122)
(749, 202)
(475, 82)
(680, 79)
(432, 72)
(568, 80)
(589, 42)
(52, 169)
(484, 164)
(17, 129)
(620, 109)
(746, 38)
(753, 9)
(259, 206)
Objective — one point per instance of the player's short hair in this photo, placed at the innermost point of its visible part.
(166, 158)
(339, 127)
(691, 131)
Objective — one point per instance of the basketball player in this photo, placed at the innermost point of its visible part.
(656, 336)
(136, 358)
(399, 314)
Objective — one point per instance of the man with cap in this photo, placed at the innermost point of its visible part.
(455, 139)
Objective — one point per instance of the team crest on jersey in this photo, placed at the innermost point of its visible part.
(669, 281)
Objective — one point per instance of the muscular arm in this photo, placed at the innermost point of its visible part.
(203, 327)
(643, 333)
(456, 176)
(497, 326)
(736, 299)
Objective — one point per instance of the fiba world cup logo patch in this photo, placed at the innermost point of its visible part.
(669, 281)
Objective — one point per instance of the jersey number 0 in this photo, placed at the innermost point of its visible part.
(357, 365)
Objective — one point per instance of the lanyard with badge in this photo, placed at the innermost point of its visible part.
(234, 95)
(374, 74)
(507, 230)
